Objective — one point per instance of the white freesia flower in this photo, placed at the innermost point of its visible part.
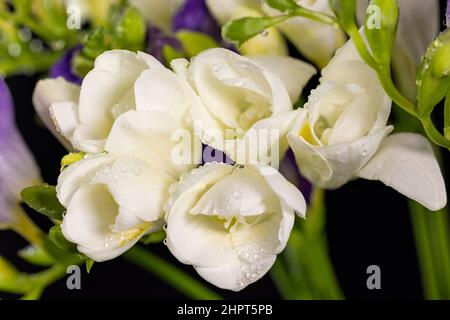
(158, 13)
(236, 97)
(120, 81)
(113, 199)
(315, 40)
(419, 24)
(230, 222)
(341, 135)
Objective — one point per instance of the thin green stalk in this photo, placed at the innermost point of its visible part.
(166, 271)
(43, 279)
(424, 251)
(317, 242)
(280, 277)
(309, 267)
(316, 16)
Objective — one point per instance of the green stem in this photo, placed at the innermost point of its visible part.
(314, 15)
(43, 279)
(424, 250)
(28, 229)
(166, 271)
(309, 268)
(279, 275)
(434, 134)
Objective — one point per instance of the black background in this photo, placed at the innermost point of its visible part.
(367, 223)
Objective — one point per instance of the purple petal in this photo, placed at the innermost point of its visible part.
(63, 67)
(6, 107)
(156, 41)
(195, 16)
(18, 168)
(447, 14)
(289, 170)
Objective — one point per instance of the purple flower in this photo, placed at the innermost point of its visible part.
(17, 166)
(195, 16)
(447, 14)
(156, 41)
(63, 67)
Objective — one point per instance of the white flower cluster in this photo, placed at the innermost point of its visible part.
(228, 221)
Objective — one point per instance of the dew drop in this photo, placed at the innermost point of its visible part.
(237, 195)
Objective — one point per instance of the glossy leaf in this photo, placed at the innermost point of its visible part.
(43, 199)
(282, 5)
(240, 30)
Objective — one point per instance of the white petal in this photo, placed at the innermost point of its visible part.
(294, 73)
(148, 136)
(89, 215)
(331, 167)
(242, 193)
(406, 162)
(283, 189)
(48, 92)
(160, 90)
(113, 76)
(139, 188)
(265, 142)
(78, 174)
(65, 117)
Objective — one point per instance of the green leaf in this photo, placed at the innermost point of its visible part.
(240, 30)
(56, 236)
(345, 11)
(89, 265)
(43, 199)
(60, 249)
(381, 37)
(433, 80)
(154, 237)
(36, 256)
(195, 42)
(282, 5)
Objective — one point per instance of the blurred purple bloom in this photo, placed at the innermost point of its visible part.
(156, 40)
(447, 14)
(17, 166)
(289, 169)
(195, 16)
(63, 67)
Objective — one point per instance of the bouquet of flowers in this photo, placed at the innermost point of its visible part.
(214, 128)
